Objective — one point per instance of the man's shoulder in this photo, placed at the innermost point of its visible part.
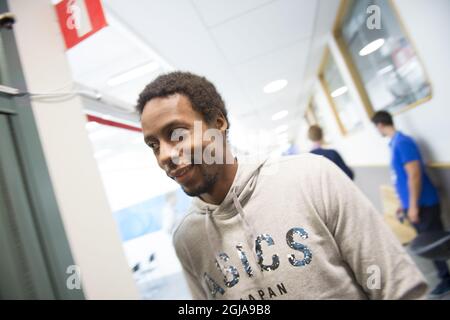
(292, 165)
(186, 228)
(404, 139)
(404, 144)
(331, 153)
(302, 158)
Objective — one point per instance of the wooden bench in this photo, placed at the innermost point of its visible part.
(404, 231)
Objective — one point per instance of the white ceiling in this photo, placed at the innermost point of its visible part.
(240, 45)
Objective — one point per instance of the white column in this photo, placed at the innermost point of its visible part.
(92, 232)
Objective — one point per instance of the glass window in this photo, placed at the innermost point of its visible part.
(385, 60)
(343, 104)
(147, 211)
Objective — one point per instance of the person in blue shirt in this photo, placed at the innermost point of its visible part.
(419, 198)
(315, 134)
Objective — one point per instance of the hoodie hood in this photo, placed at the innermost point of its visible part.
(240, 192)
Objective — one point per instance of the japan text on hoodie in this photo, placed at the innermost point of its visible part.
(293, 228)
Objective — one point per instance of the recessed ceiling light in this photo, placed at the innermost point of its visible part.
(133, 73)
(339, 91)
(281, 128)
(275, 86)
(387, 69)
(371, 47)
(280, 115)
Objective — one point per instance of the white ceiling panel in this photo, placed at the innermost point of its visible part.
(176, 32)
(240, 45)
(287, 63)
(104, 53)
(261, 31)
(214, 12)
(129, 92)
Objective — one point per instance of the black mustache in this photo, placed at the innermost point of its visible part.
(171, 165)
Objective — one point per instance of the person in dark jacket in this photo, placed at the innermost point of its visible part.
(315, 134)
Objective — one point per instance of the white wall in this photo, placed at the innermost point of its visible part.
(428, 26)
(91, 230)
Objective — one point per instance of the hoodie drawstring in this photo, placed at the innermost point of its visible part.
(213, 237)
(249, 231)
(214, 240)
(213, 234)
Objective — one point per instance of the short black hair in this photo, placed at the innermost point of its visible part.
(201, 93)
(382, 117)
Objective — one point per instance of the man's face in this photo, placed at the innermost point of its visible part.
(164, 118)
(381, 129)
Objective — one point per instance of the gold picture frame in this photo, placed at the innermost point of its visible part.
(345, 5)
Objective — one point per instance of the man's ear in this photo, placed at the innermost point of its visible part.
(221, 123)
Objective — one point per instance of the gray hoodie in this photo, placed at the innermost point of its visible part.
(293, 228)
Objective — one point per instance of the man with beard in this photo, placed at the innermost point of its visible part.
(288, 228)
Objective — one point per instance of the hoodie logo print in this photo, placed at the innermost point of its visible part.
(230, 270)
(244, 260)
(275, 259)
(213, 287)
(231, 274)
(299, 247)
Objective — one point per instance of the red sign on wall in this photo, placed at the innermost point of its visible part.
(79, 19)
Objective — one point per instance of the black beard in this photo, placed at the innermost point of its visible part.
(208, 183)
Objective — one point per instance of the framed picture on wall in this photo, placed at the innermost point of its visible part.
(381, 58)
(342, 103)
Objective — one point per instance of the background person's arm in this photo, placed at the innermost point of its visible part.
(414, 188)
